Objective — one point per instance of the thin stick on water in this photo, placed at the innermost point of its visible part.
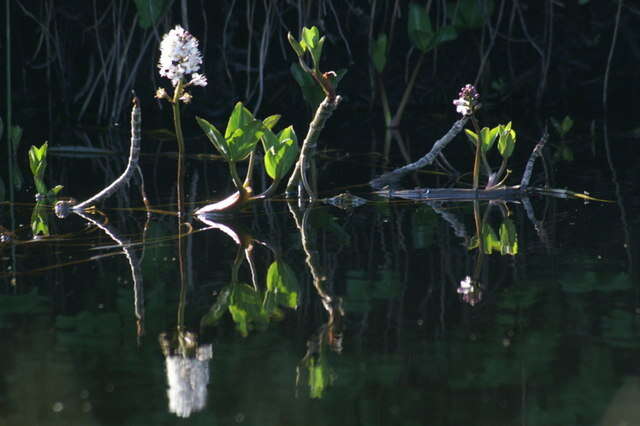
(324, 111)
(63, 208)
(426, 160)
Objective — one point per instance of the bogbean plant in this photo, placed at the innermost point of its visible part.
(484, 139)
(281, 150)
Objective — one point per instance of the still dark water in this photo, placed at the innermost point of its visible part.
(322, 315)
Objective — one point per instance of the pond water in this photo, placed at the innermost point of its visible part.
(388, 313)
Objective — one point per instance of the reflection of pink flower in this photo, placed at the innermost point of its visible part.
(467, 100)
(470, 291)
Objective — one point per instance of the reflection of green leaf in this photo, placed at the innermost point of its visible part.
(319, 377)
(246, 309)
(218, 308)
(508, 238)
(282, 282)
(39, 222)
(490, 241)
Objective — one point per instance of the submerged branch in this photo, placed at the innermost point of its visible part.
(427, 159)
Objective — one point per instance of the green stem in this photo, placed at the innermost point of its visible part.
(407, 93)
(249, 178)
(235, 176)
(477, 159)
(177, 122)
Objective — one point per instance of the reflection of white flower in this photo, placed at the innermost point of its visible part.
(180, 56)
(470, 291)
(465, 286)
(188, 379)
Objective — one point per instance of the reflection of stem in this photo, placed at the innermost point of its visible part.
(248, 254)
(134, 265)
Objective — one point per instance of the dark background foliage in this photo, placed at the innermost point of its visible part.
(76, 61)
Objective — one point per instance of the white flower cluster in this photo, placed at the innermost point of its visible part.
(467, 100)
(180, 57)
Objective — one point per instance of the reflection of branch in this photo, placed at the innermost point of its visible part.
(332, 304)
(537, 224)
(458, 227)
(427, 159)
(134, 265)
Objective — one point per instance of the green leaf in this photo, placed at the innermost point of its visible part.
(508, 238)
(150, 11)
(471, 14)
(282, 282)
(297, 47)
(243, 133)
(473, 137)
(1, 128)
(488, 137)
(216, 138)
(2, 190)
(507, 140)
(271, 121)
(446, 33)
(379, 53)
(311, 90)
(312, 41)
(281, 156)
(16, 137)
(419, 27)
(56, 189)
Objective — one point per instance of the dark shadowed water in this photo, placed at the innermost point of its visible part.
(391, 313)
